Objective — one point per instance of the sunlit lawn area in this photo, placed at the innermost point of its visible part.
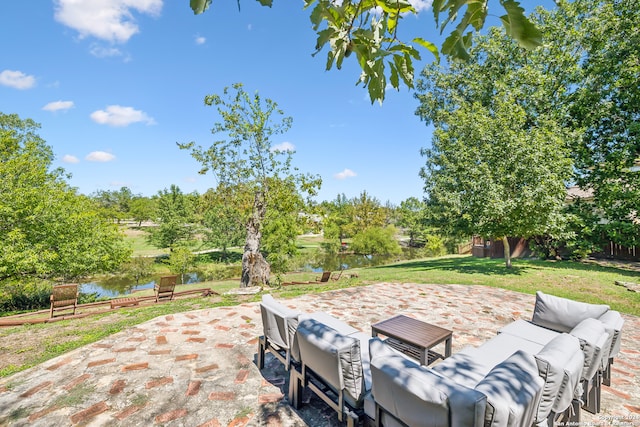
(580, 281)
(31, 344)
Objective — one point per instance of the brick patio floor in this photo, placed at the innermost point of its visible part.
(198, 368)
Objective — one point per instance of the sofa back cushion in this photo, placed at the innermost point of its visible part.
(513, 389)
(333, 357)
(613, 320)
(416, 395)
(279, 323)
(561, 314)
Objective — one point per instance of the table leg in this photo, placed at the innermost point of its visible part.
(424, 356)
(447, 347)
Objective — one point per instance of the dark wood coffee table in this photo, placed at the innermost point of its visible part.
(414, 338)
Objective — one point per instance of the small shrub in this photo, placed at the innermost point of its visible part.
(435, 246)
(376, 241)
(24, 296)
(221, 271)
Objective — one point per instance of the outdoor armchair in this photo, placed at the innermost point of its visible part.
(279, 325)
(64, 297)
(165, 288)
(334, 366)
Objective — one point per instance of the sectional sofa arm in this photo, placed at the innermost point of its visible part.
(514, 390)
(613, 320)
(595, 343)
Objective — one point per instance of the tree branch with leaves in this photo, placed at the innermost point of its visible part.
(370, 29)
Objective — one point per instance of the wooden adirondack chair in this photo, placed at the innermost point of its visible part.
(64, 297)
(336, 276)
(164, 289)
(326, 275)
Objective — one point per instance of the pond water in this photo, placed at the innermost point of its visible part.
(119, 286)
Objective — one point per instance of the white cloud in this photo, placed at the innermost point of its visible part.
(201, 40)
(283, 146)
(68, 158)
(421, 5)
(100, 156)
(117, 115)
(58, 105)
(17, 79)
(347, 173)
(105, 52)
(110, 20)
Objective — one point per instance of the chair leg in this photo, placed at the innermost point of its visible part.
(569, 417)
(352, 419)
(591, 395)
(295, 388)
(606, 375)
(378, 421)
(261, 350)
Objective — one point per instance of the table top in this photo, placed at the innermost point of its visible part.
(412, 331)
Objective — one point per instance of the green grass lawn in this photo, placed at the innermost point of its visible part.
(24, 346)
(587, 282)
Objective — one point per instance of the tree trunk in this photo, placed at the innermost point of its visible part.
(507, 252)
(255, 269)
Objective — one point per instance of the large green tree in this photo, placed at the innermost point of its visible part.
(49, 231)
(115, 204)
(142, 209)
(222, 221)
(372, 30)
(411, 216)
(174, 215)
(245, 160)
(607, 105)
(337, 219)
(500, 158)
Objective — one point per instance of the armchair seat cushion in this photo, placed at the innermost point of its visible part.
(529, 331)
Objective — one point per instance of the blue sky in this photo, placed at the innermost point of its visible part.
(116, 83)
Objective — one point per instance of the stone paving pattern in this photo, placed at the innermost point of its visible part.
(198, 368)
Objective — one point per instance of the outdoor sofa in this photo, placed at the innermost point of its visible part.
(598, 328)
(529, 374)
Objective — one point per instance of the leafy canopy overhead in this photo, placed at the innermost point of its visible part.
(369, 28)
